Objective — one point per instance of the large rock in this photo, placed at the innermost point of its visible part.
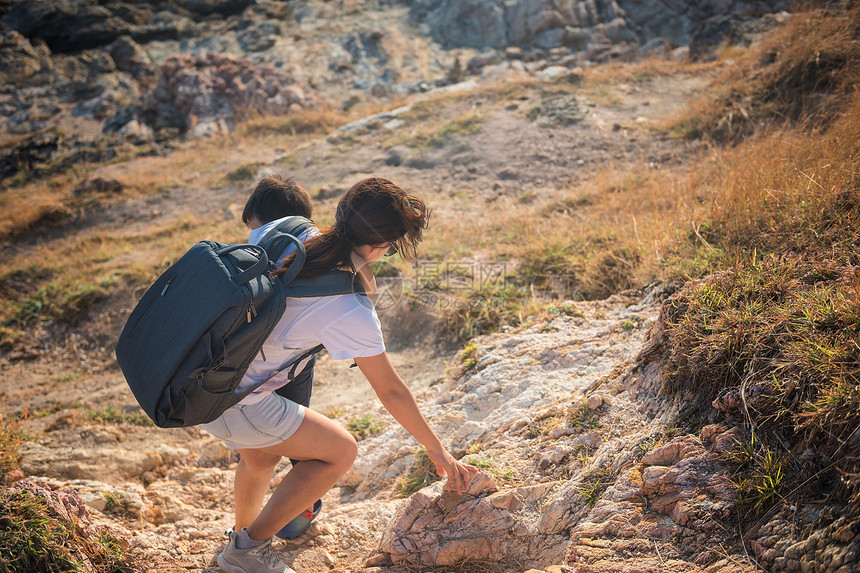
(552, 23)
(222, 7)
(205, 95)
(21, 61)
(260, 37)
(62, 503)
(437, 529)
(39, 149)
(164, 25)
(107, 94)
(688, 498)
(676, 21)
(67, 25)
(130, 57)
(464, 23)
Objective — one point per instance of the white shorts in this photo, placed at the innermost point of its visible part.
(261, 424)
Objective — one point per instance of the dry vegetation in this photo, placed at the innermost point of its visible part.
(800, 74)
(773, 336)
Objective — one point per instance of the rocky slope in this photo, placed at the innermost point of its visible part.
(579, 467)
(90, 80)
(584, 467)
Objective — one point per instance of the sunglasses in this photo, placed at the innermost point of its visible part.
(392, 250)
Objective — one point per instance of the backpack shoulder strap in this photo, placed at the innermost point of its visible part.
(332, 283)
(274, 241)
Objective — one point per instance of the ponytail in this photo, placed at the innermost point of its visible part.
(328, 250)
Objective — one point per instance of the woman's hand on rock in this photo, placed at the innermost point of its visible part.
(459, 474)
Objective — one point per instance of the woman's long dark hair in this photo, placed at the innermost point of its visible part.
(374, 211)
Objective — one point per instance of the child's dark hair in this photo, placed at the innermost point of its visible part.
(374, 211)
(276, 197)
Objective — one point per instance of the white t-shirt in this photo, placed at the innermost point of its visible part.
(347, 325)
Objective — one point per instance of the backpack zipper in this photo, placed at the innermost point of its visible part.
(251, 310)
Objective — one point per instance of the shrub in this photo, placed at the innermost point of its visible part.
(484, 310)
(781, 334)
(113, 415)
(770, 341)
(594, 484)
(35, 540)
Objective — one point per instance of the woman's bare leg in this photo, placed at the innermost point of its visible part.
(327, 449)
(253, 476)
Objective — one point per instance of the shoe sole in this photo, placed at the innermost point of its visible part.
(228, 567)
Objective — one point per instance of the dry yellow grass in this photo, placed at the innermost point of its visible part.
(778, 325)
(798, 73)
(25, 207)
(64, 283)
(628, 217)
(647, 68)
(199, 163)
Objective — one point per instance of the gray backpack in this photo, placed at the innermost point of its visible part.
(190, 339)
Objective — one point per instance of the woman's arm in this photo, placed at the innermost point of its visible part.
(398, 399)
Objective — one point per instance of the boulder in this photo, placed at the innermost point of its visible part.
(366, 44)
(260, 37)
(39, 149)
(105, 95)
(64, 504)
(434, 528)
(527, 20)
(21, 62)
(205, 95)
(131, 58)
(707, 37)
(548, 24)
(467, 23)
(222, 7)
(164, 25)
(67, 25)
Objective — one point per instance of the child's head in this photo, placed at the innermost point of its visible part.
(276, 197)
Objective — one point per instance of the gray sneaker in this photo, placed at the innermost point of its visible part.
(260, 559)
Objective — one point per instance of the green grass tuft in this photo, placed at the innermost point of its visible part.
(12, 436)
(364, 426)
(113, 415)
(582, 417)
(421, 473)
(32, 539)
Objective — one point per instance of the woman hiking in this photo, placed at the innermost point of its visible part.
(373, 218)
